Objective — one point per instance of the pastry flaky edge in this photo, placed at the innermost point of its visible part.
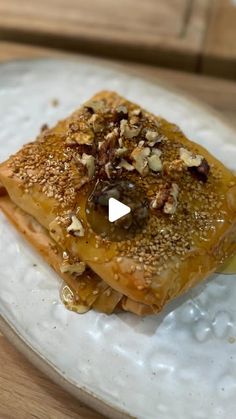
(193, 195)
(104, 299)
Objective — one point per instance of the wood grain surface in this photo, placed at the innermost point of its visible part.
(219, 52)
(25, 392)
(162, 32)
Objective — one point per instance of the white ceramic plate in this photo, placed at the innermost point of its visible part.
(180, 364)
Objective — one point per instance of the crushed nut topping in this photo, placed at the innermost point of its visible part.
(72, 268)
(125, 165)
(75, 228)
(161, 197)
(136, 112)
(154, 163)
(53, 163)
(172, 201)
(152, 137)
(84, 137)
(121, 151)
(113, 135)
(139, 156)
(108, 169)
(190, 159)
(166, 198)
(89, 162)
(196, 163)
(128, 131)
(201, 171)
(96, 122)
(122, 111)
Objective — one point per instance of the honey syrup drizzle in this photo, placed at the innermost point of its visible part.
(229, 267)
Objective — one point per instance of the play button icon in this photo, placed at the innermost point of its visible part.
(117, 210)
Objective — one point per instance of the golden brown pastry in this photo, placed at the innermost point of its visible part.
(84, 289)
(189, 195)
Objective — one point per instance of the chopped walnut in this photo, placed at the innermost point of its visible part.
(174, 170)
(196, 163)
(152, 137)
(190, 159)
(113, 135)
(121, 112)
(136, 112)
(166, 198)
(120, 142)
(172, 201)
(96, 122)
(89, 162)
(202, 171)
(139, 156)
(121, 151)
(125, 165)
(84, 137)
(72, 268)
(154, 163)
(128, 131)
(134, 120)
(107, 149)
(161, 197)
(75, 228)
(108, 169)
(73, 127)
(70, 142)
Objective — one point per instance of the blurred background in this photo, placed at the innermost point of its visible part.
(185, 44)
(192, 35)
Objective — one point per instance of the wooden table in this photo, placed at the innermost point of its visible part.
(194, 35)
(25, 392)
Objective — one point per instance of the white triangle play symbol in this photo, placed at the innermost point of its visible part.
(117, 209)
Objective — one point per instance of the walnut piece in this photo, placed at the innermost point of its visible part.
(75, 228)
(202, 171)
(125, 165)
(136, 112)
(172, 201)
(121, 151)
(84, 137)
(190, 159)
(113, 135)
(108, 169)
(166, 198)
(152, 137)
(89, 162)
(196, 163)
(154, 163)
(139, 156)
(74, 268)
(96, 122)
(161, 197)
